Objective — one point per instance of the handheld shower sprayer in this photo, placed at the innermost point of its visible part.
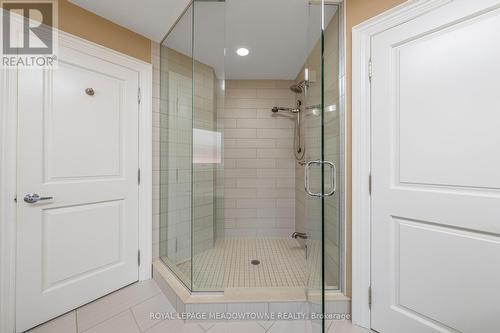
(298, 150)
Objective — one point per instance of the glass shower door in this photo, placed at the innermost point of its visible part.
(320, 166)
(175, 148)
(191, 157)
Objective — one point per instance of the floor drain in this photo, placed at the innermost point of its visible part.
(255, 262)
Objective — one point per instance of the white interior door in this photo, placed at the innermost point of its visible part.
(79, 147)
(436, 172)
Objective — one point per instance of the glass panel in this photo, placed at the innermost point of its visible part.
(176, 147)
(332, 143)
(321, 127)
(208, 74)
(313, 152)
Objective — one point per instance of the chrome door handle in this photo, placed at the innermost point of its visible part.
(333, 181)
(306, 178)
(33, 198)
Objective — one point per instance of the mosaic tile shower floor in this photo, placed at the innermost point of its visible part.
(228, 264)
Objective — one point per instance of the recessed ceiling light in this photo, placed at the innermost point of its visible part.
(242, 52)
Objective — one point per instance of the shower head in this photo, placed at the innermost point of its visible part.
(296, 88)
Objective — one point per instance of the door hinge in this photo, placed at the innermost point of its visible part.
(370, 70)
(139, 95)
(370, 183)
(139, 176)
(139, 258)
(370, 297)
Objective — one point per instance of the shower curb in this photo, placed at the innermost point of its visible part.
(242, 300)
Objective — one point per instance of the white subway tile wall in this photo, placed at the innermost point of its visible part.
(259, 167)
(187, 191)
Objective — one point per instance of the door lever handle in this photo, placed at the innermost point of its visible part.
(33, 198)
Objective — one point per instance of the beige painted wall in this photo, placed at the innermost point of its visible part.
(357, 11)
(87, 25)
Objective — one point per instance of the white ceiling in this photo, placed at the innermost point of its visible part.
(278, 33)
(150, 18)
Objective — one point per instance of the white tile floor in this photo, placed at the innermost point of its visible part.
(128, 311)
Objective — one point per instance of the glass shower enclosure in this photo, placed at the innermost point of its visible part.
(192, 183)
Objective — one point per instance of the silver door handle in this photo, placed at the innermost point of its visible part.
(333, 182)
(306, 178)
(33, 198)
(333, 178)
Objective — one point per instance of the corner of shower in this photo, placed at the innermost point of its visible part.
(191, 183)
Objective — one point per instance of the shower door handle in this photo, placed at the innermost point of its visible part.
(333, 182)
(333, 179)
(306, 178)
